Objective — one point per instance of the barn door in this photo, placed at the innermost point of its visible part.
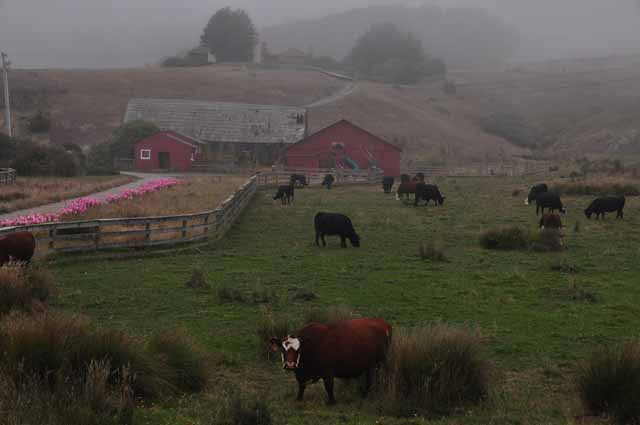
(164, 160)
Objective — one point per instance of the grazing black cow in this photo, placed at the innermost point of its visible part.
(604, 205)
(328, 181)
(299, 180)
(549, 200)
(285, 194)
(535, 191)
(387, 184)
(419, 178)
(427, 192)
(335, 224)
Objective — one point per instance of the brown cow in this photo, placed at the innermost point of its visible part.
(17, 247)
(550, 221)
(346, 350)
(405, 189)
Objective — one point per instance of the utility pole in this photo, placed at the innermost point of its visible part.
(7, 104)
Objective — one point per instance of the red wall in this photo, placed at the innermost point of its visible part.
(308, 152)
(179, 153)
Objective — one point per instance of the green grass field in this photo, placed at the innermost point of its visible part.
(539, 322)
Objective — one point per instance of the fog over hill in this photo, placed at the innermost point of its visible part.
(116, 33)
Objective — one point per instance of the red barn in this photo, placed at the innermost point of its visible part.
(344, 145)
(167, 150)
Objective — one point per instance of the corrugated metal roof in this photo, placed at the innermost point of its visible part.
(221, 121)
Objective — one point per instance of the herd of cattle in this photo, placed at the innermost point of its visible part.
(355, 347)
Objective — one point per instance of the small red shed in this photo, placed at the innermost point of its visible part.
(167, 150)
(344, 145)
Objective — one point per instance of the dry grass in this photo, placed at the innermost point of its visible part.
(598, 185)
(29, 192)
(199, 194)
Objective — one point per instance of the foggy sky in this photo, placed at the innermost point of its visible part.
(116, 33)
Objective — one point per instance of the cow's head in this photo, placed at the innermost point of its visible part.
(441, 200)
(355, 240)
(289, 351)
(564, 210)
(587, 213)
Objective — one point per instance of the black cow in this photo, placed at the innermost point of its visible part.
(299, 179)
(328, 181)
(427, 192)
(387, 184)
(604, 205)
(535, 191)
(285, 194)
(549, 200)
(335, 224)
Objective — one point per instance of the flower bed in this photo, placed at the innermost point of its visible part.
(81, 205)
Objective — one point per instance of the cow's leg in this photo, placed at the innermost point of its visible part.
(324, 243)
(620, 214)
(538, 209)
(369, 380)
(317, 238)
(343, 241)
(328, 386)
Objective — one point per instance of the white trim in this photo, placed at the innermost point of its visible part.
(145, 154)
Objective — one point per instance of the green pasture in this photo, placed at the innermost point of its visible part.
(541, 313)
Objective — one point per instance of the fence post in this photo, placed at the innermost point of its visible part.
(52, 232)
(206, 225)
(96, 237)
(147, 235)
(184, 229)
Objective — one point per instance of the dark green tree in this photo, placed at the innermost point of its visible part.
(386, 52)
(230, 35)
(127, 135)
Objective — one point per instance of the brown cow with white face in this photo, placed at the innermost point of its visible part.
(346, 350)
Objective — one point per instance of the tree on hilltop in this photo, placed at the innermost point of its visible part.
(231, 36)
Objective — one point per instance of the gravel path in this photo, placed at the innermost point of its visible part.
(51, 208)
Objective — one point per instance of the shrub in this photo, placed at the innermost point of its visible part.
(609, 383)
(33, 159)
(548, 240)
(511, 238)
(227, 294)
(433, 370)
(100, 160)
(40, 123)
(513, 128)
(427, 251)
(198, 281)
(263, 295)
(269, 326)
(328, 316)
(184, 357)
(25, 290)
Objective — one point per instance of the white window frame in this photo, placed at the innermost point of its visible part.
(145, 154)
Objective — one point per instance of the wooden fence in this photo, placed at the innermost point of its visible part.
(316, 176)
(7, 176)
(109, 234)
(480, 170)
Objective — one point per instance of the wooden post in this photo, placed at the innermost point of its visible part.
(184, 229)
(147, 235)
(206, 225)
(96, 237)
(52, 232)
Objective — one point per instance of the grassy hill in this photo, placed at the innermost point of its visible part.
(568, 109)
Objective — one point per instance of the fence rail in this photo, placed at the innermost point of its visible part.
(316, 176)
(7, 176)
(108, 234)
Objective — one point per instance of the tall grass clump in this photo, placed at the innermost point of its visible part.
(184, 357)
(102, 398)
(609, 383)
(233, 407)
(427, 251)
(548, 240)
(329, 316)
(510, 238)
(433, 370)
(24, 289)
(271, 325)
